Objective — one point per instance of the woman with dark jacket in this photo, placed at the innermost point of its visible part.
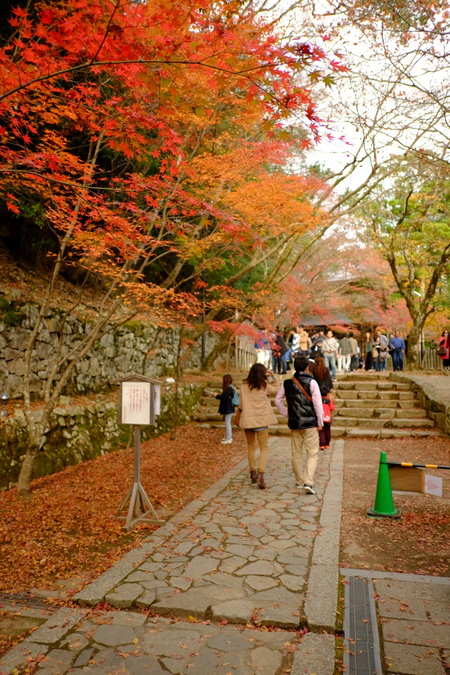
(323, 378)
(226, 407)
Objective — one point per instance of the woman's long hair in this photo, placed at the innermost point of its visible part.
(227, 380)
(319, 369)
(256, 379)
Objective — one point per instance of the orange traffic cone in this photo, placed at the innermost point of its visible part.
(384, 503)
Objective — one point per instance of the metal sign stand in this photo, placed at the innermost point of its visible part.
(140, 509)
(140, 401)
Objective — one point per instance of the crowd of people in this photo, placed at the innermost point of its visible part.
(276, 350)
(305, 399)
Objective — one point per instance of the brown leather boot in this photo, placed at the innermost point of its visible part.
(253, 476)
(261, 483)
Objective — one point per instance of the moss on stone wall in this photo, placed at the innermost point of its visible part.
(79, 433)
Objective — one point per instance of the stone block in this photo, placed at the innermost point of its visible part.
(57, 626)
(196, 601)
(260, 583)
(11, 354)
(18, 657)
(321, 598)
(413, 660)
(409, 631)
(266, 661)
(315, 654)
(17, 367)
(114, 636)
(411, 413)
(235, 611)
(396, 423)
(260, 568)
(200, 566)
(124, 595)
(285, 615)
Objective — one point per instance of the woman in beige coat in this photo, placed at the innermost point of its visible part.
(256, 416)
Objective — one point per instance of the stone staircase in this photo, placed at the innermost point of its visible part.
(367, 405)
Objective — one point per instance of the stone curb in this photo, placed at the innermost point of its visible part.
(38, 643)
(95, 592)
(322, 593)
(314, 655)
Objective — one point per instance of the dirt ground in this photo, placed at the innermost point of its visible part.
(419, 542)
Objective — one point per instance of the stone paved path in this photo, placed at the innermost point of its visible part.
(238, 555)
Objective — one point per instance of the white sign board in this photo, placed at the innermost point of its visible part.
(433, 485)
(157, 400)
(135, 403)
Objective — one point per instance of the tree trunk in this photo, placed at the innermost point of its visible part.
(219, 347)
(26, 470)
(414, 356)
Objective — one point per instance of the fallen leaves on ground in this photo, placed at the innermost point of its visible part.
(68, 529)
(418, 542)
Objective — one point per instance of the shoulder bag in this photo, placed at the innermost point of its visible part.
(302, 389)
(237, 417)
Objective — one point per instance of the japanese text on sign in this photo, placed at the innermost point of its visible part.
(135, 402)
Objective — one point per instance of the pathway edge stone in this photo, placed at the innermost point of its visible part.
(315, 655)
(322, 594)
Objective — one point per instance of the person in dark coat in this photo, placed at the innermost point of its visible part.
(305, 418)
(226, 407)
(279, 352)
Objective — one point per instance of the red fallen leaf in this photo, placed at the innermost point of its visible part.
(69, 521)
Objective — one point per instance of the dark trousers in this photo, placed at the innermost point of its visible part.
(397, 359)
(369, 361)
(354, 363)
(325, 434)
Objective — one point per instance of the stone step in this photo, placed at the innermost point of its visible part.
(215, 417)
(339, 431)
(376, 404)
(361, 432)
(378, 423)
(340, 385)
(353, 394)
(380, 413)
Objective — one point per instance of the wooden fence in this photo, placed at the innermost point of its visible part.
(431, 360)
(245, 352)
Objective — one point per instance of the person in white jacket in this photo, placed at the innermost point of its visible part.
(330, 348)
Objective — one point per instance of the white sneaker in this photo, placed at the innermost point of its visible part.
(226, 440)
(309, 489)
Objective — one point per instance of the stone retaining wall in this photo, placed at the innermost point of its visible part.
(132, 348)
(78, 433)
(433, 392)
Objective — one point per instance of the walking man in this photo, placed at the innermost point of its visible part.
(305, 419)
(346, 351)
(397, 345)
(354, 359)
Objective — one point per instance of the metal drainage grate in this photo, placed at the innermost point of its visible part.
(362, 647)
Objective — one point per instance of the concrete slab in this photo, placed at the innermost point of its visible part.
(413, 660)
